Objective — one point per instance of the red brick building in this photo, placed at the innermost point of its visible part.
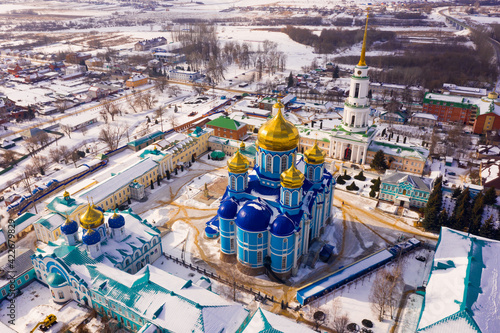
(488, 115)
(226, 127)
(451, 109)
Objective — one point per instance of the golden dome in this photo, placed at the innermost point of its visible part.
(492, 95)
(66, 194)
(242, 146)
(278, 134)
(314, 155)
(238, 164)
(292, 178)
(92, 218)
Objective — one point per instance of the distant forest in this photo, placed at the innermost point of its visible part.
(331, 40)
(430, 65)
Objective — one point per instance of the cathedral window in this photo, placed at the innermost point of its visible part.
(287, 198)
(259, 257)
(310, 173)
(246, 181)
(283, 262)
(269, 163)
(283, 163)
(60, 294)
(231, 244)
(233, 183)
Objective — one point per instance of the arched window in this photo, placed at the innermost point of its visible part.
(246, 182)
(137, 255)
(310, 172)
(269, 163)
(283, 163)
(233, 183)
(287, 198)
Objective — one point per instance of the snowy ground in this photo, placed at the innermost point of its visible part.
(36, 303)
(353, 298)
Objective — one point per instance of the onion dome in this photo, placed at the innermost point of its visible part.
(56, 280)
(116, 221)
(278, 134)
(253, 217)
(66, 194)
(91, 237)
(238, 164)
(282, 226)
(228, 209)
(242, 146)
(69, 227)
(292, 178)
(314, 155)
(492, 95)
(92, 217)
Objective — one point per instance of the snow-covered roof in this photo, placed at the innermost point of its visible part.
(265, 321)
(399, 149)
(24, 221)
(424, 115)
(447, 98)
(462, 292)
(490, 173)
(102, 190)
(51, 221)
(397, 178)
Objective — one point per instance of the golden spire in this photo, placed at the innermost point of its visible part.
(292, 178)
(278, 134)
(314, 155)
(362, 62)
(238, 164)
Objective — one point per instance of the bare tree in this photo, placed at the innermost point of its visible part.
(9, 157)
(174, 90)
(31, 145)
(39, 162)
(111, 135)
(160, 111)
(66, 129)
(386, 291)
(65, 153)
(133, 102)
(55, 155)
(104, 116)
(61, 105)
(147, 101)
(161, 83)
(198, 88)
(339, 324)
(172, 120)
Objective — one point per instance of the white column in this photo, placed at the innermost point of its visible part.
(342, 151)
(306, 237)
(352, 153)
(296, 249)
(358, 155)
(364, 154)
(330, 149)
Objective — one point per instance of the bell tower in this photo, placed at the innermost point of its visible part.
(357, 105)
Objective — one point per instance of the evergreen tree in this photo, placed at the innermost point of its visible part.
(290, 80)
(433, 206)
(477, 214)
(461, 217)
(372, 193)
(360, 176)
(376, 184)
(456, 192)
(490, 197)
(346, 176)
(378, 163)
(442, 219)
(340, 180)
(336, 72)
(488, 229)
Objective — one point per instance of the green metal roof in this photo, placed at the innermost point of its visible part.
(145, 138)
(56, 280)
(23, 218)
(225, 122)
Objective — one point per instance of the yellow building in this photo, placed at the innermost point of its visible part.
(136, 81)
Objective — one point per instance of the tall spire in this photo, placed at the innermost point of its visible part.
(362, 61)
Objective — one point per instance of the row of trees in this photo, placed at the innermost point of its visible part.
(467, 214)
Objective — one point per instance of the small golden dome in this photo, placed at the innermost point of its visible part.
(314, 155)
(292, 178)
(278, 105)
(92, 218)
(238, 164)
(278, 134)
(66, 194)
(492, 95)
(242, 146)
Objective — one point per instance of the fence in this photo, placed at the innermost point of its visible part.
(257, 294)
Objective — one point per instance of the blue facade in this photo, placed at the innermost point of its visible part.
(266, 217)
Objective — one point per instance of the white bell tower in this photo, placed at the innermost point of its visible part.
(357, 105)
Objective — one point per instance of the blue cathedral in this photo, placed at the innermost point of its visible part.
(269, 216)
